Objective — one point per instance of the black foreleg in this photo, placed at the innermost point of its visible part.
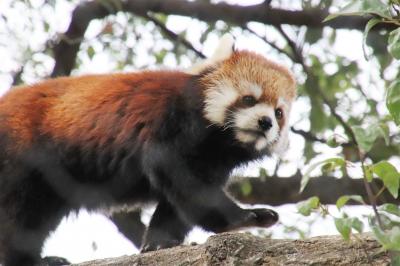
(198, 199)
(166, 229)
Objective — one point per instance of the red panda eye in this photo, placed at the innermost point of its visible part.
(249, 100)
(278, 113)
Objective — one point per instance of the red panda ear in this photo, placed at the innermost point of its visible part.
(234, 48)
(224, 50)
(226, 46)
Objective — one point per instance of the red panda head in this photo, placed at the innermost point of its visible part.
(251, 95)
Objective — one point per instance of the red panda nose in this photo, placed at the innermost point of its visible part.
(265, 123)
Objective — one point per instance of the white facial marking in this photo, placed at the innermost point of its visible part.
(282, 144)
(245, 138)
(249, 88)
(282, 102)
(261, 143)
(247, 119)
(217, 101)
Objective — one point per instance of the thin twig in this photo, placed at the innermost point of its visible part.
(308, 135)
(273, 45)
(17, 76)
(383, 188)
(297, 53)
(370, 194)
(311, 137)
(173, 36)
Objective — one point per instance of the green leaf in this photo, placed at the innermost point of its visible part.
(384, 132)
(46, 26)
(380, 235)
(305, 207)
(160, 56)
(335, 162)
(394, 43)
(389, 239)
(344, 199)
(246, 188)
(389, 175)
(332, 142)
(90, 52)
(366, 137)
(343, 225)
(371, 23)
(360, 8)
(328, 168)
(395, 260)
(262, 173)
(393, 101)
(390, 208)
(313, 35)
(357, 225)
(368, 174)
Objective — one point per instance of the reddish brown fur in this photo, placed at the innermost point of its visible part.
(70, 108)
(246, 65)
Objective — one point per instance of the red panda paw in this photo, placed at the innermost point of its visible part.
(153, 246)
(264, 217)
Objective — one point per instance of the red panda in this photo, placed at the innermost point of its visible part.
(169, 137)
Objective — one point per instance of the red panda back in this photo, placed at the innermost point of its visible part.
(89, 110)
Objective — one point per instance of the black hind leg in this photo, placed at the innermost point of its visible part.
(166, 228)
(130, 225)
(24, 248)
(32, 210)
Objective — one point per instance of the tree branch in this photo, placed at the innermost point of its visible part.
(246, 249)
(311, 137)
(173, 36)
(66, 50)
(277, 190)
(17, 76)
(272, 44)
(239, 15)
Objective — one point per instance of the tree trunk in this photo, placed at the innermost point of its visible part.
(246, 249)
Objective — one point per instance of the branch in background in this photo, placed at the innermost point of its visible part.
(278, 190)
(173, 36)
(297, 54)
(307, 135)
(367, 186)
(66, 50)
(17, 76)
(273, 45)
(240, 15)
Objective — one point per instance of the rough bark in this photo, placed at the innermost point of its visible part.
(245, 249)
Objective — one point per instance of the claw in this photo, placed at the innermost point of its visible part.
(265, 217)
